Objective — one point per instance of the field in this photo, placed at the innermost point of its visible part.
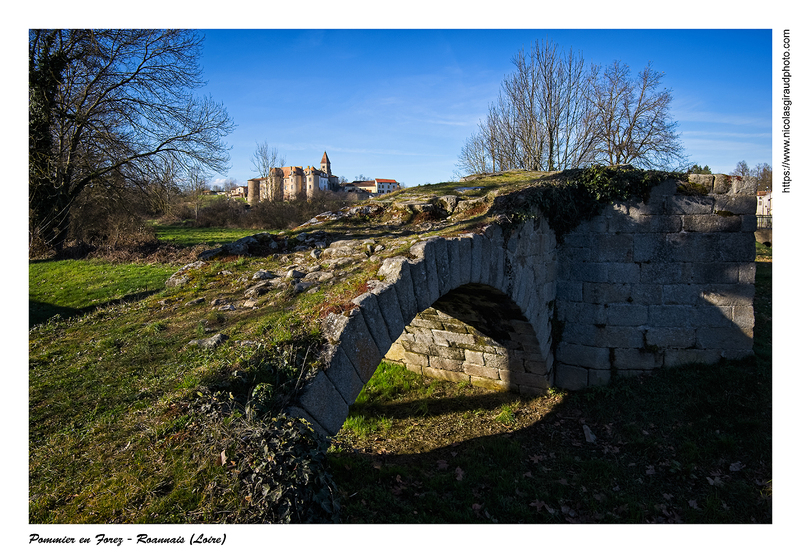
(191, 236)
(120, 431)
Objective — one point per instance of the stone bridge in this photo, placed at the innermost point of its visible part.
(639, 287)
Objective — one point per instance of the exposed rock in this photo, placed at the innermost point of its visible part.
(261, 288)
(263, 275)
(195, 301)
(179, 277)
(208, 343)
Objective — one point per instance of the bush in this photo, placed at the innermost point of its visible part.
(285, 475)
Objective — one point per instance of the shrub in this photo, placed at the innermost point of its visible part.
(285, 475)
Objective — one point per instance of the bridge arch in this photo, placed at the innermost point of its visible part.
(465, 282)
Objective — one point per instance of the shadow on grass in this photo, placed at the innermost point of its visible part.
(689, 444)
(40, 312)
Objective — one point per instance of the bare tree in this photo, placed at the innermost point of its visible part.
(634, 123)
(556, 112)
(763, 174)
(742, 169)
(113, 102)
(195, 184)
(543, 118)
(265, 158)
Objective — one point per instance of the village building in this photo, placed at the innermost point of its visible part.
(292, 183)
(374, 187)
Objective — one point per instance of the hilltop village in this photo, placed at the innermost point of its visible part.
(297, 183)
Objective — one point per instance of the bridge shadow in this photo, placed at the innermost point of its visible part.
(651, 439)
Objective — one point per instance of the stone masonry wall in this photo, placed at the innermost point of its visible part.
(475, 334)
(665, 283)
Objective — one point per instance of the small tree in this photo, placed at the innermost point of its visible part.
(697, 170)
(763, 174)
(742, 170)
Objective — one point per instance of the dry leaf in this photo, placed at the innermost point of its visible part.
(459, 474)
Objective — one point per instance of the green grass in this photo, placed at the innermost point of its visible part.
(71, 287)
(190, 236)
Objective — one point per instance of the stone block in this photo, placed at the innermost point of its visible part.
(583, 356)
(739, 205)
(747, 273)
(703, 180)
(445, 364)
(524, 379)
(614, 247)
(476, 269)
(570, 377)
(715, 273)
(731, 338)
(623, 336)
(670, 337)
(713, 316)
(665, 273)
(729, 294)
(690, 205)
(454, 256)
(627, 314)
(322, 401)
(390, 308)
(599, 378)
(570, 290)
(744, 318)
(623, 273)
(481, 371)
(712, 223)
(496, 361)
(344, 377)
(682, 294)
(371, 312)
(722, 184)
(416, 359)
(473, 357)
(589, 272)
(677, 357)
(671, 316)
(443, 271)
(419, 276)
(636, 359)
(427, 251)
(647, 294)
(397, 273)
(749, 223)
(444, 337)
(739, 247)
(447, 352)
(536, 367)
(360, 347)
(441, 374)
(744, 186)
(605, 292)
(465, 257)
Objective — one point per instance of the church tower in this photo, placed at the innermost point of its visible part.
(325, 164)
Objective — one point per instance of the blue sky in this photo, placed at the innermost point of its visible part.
(400, 103)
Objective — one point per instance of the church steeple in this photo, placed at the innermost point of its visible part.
(325, 164)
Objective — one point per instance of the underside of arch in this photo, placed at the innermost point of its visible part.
(475, 334)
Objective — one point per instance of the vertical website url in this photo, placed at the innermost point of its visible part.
(786, 77)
